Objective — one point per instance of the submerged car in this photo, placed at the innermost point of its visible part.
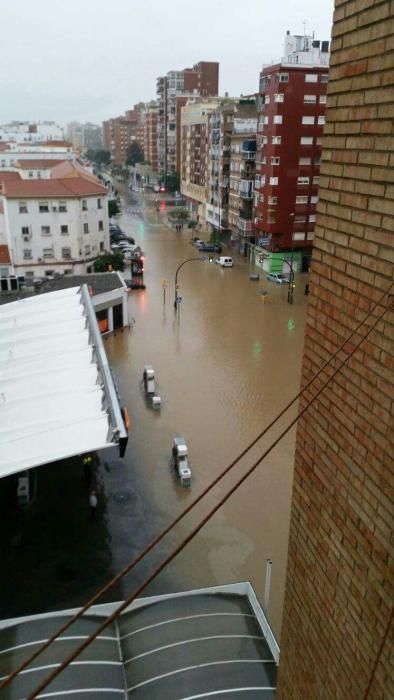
(278, 278)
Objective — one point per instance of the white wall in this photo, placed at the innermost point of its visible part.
(84, 247)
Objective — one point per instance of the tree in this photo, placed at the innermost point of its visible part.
(100, 157)
(172, 182)
(135, 154)
(113, 208)
(104, 262)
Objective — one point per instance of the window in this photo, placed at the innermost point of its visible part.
(45, 230)
(324, 78)
(99, 204)
(299, 219)
(63, 206)
(31, 174)
(64, 230)
(310, 99)
(275, 160)
(283, 77)
(101, 246)
(267, 100)
(23, 207)
(265, 120)
(298, 236)
(323, 99)
(47, 253)
(66, 253)
(303, 181)
(86, 228)
(311, 77)
(276, 140)
(301, 200)
(306, 140)
(84, 205)
(25, 230)
(271, 220)
(264, 140)
(43, 207)
(312, 218)
(274, 180)
(272, 200)
(321, 119)
(314, 200)
(27, 254)
(308, 120)
(101, 226)
(278, 119)
(316, 180)
(279, 97)
(87, 249)
(304, 161)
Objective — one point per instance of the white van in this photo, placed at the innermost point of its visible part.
(224, 261)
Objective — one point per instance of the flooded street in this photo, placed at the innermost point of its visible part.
(225, 365)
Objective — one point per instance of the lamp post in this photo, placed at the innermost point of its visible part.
(176, 278)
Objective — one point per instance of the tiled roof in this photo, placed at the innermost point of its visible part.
(37, 164)
(67, 187)
(4, 255)
(65, 169)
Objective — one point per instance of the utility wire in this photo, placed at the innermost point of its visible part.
(197, 528)
(183, 513)
(378, 656)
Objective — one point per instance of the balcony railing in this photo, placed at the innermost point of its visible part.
(245, 225)
(246, 189)
(248, 155)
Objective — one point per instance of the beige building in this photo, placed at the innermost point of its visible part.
(195, 153)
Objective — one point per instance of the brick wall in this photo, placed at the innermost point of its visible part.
(339, 589)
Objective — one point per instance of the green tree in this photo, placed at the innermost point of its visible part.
(100, 157)
(135, 154)
(113, 208)
(172, 182)
(104, 262)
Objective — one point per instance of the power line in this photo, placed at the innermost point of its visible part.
(183, 513)
(197, 528)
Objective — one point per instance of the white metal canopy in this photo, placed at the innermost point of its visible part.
(57, 397)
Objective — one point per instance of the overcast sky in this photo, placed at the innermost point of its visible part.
(93, 59)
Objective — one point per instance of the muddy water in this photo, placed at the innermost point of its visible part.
(225, 365)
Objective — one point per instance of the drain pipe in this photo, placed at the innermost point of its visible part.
(267, 585)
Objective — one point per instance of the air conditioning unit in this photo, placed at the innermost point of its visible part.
(26, 236)
(39, 259)
(54, 208)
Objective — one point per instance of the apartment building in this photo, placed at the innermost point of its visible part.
(150, 135)
(195, 181)
(53, 225)
(13, 153)
(31, 132)
(202, 79)
(85, 136)
(291, 121)
(220, 130)
(337, 632)
(242, 174)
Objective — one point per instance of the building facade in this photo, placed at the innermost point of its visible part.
(12, 154)
(31, 132)
(150, 135)
(202, 79)
(220, 130)
(195, 147)
(337, 633)
(242, 174)
(291, 122)
(54, 225)
(85, 136)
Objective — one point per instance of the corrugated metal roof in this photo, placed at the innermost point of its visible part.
(57, 397)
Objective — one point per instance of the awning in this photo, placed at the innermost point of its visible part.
(57, 396)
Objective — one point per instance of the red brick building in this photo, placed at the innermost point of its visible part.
(202, 79)
(120, 132)
(290, 127)
(337, 634)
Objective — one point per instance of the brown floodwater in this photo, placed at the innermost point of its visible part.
(225, 366)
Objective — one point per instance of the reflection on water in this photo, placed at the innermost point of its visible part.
(225, 364)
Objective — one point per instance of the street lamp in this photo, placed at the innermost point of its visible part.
(176, 278)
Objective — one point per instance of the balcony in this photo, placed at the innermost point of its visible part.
(245, 225)
(246, 189)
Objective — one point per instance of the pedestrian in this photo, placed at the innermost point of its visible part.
(93, 503)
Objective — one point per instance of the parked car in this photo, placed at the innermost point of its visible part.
(278, 278)
(211, 248)
(224, 261)
(198, 242)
